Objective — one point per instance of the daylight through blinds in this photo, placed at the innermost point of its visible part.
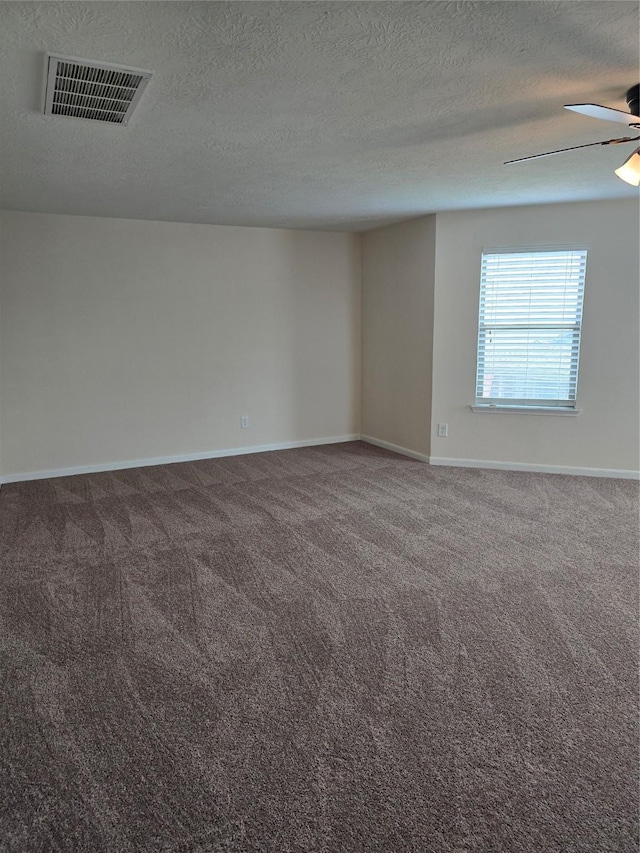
(529, 327)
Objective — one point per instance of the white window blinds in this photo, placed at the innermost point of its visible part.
(529, 327)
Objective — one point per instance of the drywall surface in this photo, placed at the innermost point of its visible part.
(128, 339)
(606, 433)
(397, 333)
(0, 359)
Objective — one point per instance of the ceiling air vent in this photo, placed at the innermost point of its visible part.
(80, 88)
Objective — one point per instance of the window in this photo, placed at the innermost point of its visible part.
(529, 328)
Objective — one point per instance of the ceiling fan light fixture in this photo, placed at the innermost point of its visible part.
(630, 169)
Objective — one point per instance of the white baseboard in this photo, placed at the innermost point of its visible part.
(618, 473)
(166, 460)
(403, 451)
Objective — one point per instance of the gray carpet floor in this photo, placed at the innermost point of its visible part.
(326, 649)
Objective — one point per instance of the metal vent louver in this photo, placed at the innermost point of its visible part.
(100, 91)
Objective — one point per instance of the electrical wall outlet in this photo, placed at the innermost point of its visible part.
(443, 430)
(244, 422)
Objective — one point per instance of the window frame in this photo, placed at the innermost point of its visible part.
(495, 405)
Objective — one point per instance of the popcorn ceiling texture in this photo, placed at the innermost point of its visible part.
(313, 114)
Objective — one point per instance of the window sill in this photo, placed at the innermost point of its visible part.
(557, 411)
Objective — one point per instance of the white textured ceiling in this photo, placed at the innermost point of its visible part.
(339, 115)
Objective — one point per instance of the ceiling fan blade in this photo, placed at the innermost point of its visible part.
(606, 113)
(573, 148)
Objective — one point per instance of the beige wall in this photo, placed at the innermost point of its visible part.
(397, 331)
(127, 340)
(605, 435)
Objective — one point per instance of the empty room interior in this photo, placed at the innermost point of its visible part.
(319, 427)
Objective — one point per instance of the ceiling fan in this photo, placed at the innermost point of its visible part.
(630, 169)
